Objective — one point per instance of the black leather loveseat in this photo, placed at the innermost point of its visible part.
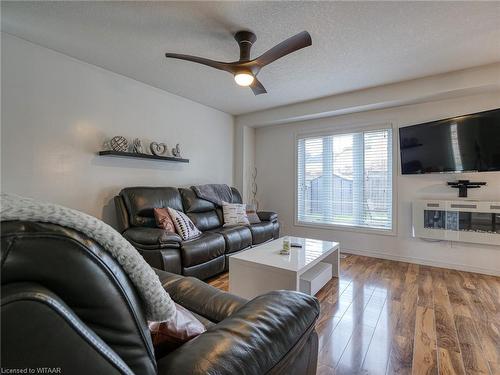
(67, 305)
(201, 257)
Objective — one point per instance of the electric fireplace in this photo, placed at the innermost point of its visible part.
(464, 221)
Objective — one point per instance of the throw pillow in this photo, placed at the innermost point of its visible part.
(163, 219)
(183, 224)
(171, 334)
(253, 218)
(234, 214)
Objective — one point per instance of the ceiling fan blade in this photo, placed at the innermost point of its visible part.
(201, 60)
(257, 87)
(289, 45)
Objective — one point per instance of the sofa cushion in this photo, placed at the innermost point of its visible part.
(234, 214)
(140, 202)
(183, 225)
(252, 216)
(262, 232)
(192, 203)
(163, 219)
(205, 220)
(151, 237)
(202, 249)
(206, 322)
(202, 212)
(169, 335)
(237, 238)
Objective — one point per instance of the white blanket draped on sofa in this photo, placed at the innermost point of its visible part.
(158, 304)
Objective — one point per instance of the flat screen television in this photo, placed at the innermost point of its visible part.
(469, 143)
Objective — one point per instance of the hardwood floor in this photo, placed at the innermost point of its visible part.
(387, 317)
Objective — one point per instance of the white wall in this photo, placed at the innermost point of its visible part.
(57, 111)
(244, 160)
(275, 163)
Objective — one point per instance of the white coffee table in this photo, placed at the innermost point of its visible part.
(262, 268)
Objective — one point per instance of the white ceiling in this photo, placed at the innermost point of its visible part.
(355, 44)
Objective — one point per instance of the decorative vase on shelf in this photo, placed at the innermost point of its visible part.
(138, 149)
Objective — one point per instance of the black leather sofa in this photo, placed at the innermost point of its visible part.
(202, 257)
(68, 305)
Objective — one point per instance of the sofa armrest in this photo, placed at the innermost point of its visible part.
(167, 278)
(199, 297)
(121, 214)
(259, 338)
(152, 238)
(267, 215)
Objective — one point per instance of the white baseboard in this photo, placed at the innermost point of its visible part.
(424, 262)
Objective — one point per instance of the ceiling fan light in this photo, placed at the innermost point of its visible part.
(244, 79)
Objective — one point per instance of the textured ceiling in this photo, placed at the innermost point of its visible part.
(355, 44)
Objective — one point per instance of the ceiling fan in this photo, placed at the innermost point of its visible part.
(245, 70)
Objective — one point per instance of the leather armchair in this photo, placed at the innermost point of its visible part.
(66, 303)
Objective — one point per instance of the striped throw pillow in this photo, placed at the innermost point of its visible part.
(234, 214)
(183, 224)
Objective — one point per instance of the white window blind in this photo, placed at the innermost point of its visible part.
(346, 179)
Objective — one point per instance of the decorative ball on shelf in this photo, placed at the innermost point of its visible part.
(158, 149)
(137, 146)
(119, 143)
(176, 151)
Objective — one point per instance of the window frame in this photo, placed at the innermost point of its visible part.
(336, 131)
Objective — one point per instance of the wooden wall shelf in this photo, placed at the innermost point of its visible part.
(141, 156)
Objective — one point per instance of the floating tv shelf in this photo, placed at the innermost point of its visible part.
(141, 156)
(461, 220)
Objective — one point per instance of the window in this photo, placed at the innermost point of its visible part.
(345, 179)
